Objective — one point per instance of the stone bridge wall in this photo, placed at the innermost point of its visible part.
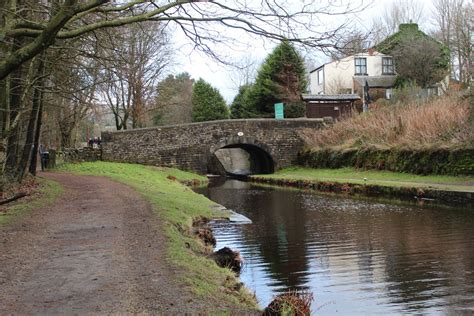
(190, 146)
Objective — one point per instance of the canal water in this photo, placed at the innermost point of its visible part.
(355, 256)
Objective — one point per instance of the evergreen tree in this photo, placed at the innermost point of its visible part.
(281, 78)
(208, 103)
(240, 107)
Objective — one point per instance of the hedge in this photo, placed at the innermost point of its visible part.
(427, 161)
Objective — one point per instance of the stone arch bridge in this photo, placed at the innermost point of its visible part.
(270, 144)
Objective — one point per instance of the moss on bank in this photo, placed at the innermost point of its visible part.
(177, 206)
(440, 161)
(46, 193)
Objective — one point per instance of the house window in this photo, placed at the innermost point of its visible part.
(387, 66)
(320, 77)
(361, 66)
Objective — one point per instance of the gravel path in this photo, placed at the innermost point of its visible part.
(98, 249)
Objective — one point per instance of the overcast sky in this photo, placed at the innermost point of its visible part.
(199, 65)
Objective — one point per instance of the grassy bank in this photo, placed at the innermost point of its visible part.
(439, 123)
(369, 177)
(420, 137)
(177, 206)
(46, 192)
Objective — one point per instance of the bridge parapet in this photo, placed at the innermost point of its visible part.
(191, 146)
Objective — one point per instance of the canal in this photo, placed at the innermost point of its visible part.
(355, 256)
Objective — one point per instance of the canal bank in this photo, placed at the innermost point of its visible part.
(451, 190)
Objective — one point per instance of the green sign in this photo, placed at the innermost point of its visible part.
(279, 111)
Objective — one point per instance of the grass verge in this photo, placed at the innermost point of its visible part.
(177, 206)
(382, 178)
(47, 192)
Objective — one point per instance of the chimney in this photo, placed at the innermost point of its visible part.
(408, 27)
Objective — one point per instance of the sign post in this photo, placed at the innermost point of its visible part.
(279, 111)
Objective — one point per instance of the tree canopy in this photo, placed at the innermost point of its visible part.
(198, 19)
(281, 78)
(173, 100)
(208, 103)
(240, 105)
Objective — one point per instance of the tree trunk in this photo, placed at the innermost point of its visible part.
(39, 121)
(32, 122)
(3, 147)
(13, 137)
(66, 136)
(3, 125)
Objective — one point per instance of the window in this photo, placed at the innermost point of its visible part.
(320, 77)
(387, 66)
(361, 66)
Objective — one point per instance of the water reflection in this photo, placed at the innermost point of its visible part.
(355, 256)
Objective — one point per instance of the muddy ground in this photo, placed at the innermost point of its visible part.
(98, 249)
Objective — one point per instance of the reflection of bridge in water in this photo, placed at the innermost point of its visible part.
(269, 144)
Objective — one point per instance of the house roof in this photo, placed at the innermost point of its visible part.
(330, 97)
(376, 81)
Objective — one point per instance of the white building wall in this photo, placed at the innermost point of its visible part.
(338, 74)
(314, 86)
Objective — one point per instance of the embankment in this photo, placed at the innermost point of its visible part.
(374, 190)
(440, 161)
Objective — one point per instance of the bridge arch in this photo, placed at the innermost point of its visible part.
(273, 144)
(259, 156)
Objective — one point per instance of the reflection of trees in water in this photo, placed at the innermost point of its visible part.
(412, 256)
(277, 229)
(279, 226)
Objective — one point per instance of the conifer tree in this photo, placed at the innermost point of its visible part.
(281, 78)
(240, 106)
(208, 103)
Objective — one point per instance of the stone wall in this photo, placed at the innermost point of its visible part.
(190, 146)
(80, 154)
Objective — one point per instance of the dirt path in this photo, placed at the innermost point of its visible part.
(99, 249)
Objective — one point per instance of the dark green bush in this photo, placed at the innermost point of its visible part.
(428, 161)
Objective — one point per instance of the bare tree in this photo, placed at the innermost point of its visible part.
(245, 71)
(132, 58)
(196, 18)
(353, 42)
(71, 97)
(453, 22)
(398, 12)
(28, 28)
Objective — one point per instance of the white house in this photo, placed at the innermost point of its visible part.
(349, 75)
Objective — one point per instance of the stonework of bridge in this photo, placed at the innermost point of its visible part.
(271, 144)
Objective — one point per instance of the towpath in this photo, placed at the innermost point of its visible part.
(98, 249)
